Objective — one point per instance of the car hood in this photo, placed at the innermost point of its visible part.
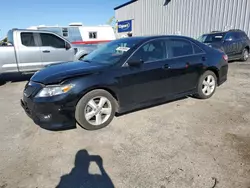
(57, 73)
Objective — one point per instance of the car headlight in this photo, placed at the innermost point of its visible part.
(50, 91)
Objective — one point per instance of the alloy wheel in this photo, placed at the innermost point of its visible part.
(98, 110)
(246, 55)
(208, 85)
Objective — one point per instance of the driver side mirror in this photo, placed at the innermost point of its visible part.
(135, 63)
(67, 46)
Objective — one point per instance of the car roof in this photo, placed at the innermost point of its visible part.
(154, 37)
(216, 32)
(31, 30)
(224, 32)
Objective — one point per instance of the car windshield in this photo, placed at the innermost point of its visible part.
(111, 52)
(210, 38)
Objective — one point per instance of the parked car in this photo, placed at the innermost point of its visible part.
(31, 50)
(120, 76)
(235, 43)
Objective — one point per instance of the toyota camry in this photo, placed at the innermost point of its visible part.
(120, 76)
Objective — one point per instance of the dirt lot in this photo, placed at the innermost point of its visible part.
(186, 143)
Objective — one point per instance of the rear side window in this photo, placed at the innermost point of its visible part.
(52, 40)
(28, 39)
(236, 36)
(178, 48)
(197, 49)
(243, 35)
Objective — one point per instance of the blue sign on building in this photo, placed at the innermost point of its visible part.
(125, 26)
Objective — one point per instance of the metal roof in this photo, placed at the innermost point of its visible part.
(125, 4)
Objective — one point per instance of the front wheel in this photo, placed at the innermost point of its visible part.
(95, 110)
(207, 85)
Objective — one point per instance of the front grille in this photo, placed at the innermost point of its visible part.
(31, 88)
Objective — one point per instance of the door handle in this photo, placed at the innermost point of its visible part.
(166, 66)
(46, 51)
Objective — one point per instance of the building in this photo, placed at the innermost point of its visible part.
(186, 17)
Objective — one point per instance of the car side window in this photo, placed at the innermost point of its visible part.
(178, 48)
(52, 40)
(28, 39)
(236, 36)
(243, 35)
(152, 51)
(229, 37)
(197, 49)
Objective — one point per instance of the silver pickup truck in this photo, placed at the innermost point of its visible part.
(31, 50)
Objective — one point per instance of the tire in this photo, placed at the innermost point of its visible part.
(2, 82)
(245, 55)
(203, 83)
(99, 116)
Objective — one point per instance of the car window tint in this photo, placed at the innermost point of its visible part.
(197, 49)
(236, 35)
(151, 51)
(178, 48)
(27, 39)
(210, 38)
(229, 36)
(243, 35)
(52, 40)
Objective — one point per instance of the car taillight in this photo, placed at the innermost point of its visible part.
(225, 57)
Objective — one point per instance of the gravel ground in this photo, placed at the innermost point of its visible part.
(186, 143)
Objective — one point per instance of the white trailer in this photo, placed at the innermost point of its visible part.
(78, 34)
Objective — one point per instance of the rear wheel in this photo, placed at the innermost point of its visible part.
(207, 85)
(245, 54)
(95, 110)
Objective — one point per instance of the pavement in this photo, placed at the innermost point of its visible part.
(186, 143)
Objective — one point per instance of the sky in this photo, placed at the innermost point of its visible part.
(26, 13)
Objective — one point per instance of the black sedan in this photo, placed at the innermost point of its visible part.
(121, 76)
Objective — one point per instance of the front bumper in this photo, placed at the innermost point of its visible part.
(55, 114)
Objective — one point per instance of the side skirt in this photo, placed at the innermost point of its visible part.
(153, 103)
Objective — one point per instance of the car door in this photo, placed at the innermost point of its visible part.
(241, 42)
(238, 43)
(148, 81)
(230, 45)
(28, 52)
(185, 65)
(54, 49)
